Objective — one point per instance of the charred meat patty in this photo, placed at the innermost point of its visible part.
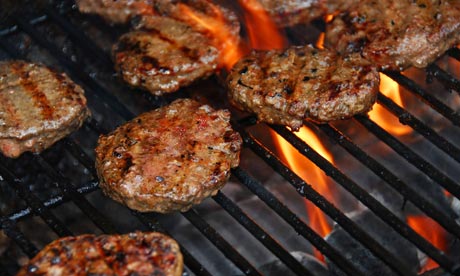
(122, 255)
(285, 87)
(291, 12)
(164, 54)
(168, 159)
(38, 107)
(120, 11)
(396, 34)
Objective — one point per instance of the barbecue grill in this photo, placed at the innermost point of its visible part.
(56, 193)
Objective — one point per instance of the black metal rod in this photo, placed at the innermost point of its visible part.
(12, 231)
(77, 34)
(436, 104)
(53, 202)
(449, 81)
(427, 132)
(261, 235)
(34, 202)
(454, 52)
(305, 190)
(215, 238)
(190, 261)
(368, 200)
(432, 172)
(68, 188)
(381, 171)
(296, 223)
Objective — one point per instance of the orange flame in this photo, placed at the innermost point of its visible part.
(262, 31)
(218, 28)
(432, 232)
(320, 41)
(381, 116)
(311, 174)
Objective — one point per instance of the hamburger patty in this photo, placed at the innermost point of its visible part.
(122, 255)
(168, 159)
(291, 12)
(285, 87)
(120, 11)
(38, 106)
(164, 54)
(396, 34)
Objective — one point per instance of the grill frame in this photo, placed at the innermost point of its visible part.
(72, 193)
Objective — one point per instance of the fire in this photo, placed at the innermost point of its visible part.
(262, 31)
(383, 117)
(432, 232)
(320, 41)
(227, 42)
(311, 174)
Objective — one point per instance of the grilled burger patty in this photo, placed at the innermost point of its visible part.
(396, 34)
(120, 11)
(291, 12)
(285, 87)
(38, 106)
(122, 255)
(164, 54)
(168, 159)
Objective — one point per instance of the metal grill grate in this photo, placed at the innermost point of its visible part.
(66, 189)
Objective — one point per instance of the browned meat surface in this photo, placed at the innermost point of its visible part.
(168, 159)
(397, 34)
(163, 55)
(285, 87)
(291, 12)
(38, 106)
(122, 255)
(120, 11)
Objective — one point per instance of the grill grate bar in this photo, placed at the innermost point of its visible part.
(409, 193)
(411, 156)
(260, 234)
(436, 104)
(11, 230)
(312, 195)
(34, 202)
(191, 262)
(69, 188)
(365, 198)
(427, 132)
(216, 239)
(445, 78)
(78, 35)
(297, 224)
(454, 52)
(76, 70)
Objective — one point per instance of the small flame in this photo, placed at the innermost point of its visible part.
(220, 31)
(320, 41)
(383, 117)
(311, 174)
(262, 31)
(432, 232)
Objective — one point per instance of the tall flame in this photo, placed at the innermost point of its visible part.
(220, 31)
(432, 232)
(262, 31)
(311, 174)
(381, 116)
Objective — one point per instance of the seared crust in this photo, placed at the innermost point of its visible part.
(120, 11)
(38, 107)
(163, 55)
(168, 159)
(122, 255)
(397, 34)
(285, 87)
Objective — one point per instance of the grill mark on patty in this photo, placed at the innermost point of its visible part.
(30, 86)
(12, 117)
(192, 54)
